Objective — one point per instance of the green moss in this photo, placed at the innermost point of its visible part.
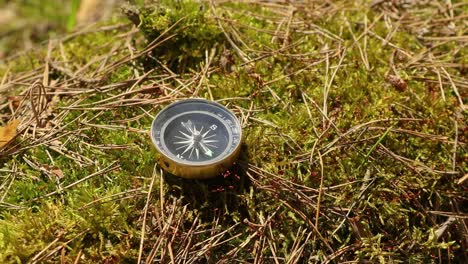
(382, 180)
(195, 32)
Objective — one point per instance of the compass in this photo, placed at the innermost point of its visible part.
(196, 138)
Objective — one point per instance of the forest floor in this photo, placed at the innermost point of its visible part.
(353, 116)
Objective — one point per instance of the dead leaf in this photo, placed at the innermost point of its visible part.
(58, 173)
(8, 132)
(397, 82)
(15, 101)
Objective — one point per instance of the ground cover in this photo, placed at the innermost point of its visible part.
(354, 135)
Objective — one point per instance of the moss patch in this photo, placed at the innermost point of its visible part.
(354, 148)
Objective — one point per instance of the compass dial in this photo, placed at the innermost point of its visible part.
(196, 138)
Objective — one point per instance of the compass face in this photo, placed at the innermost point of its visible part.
(196, 136)
(196, 132)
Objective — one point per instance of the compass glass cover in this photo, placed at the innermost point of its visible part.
(196, 131)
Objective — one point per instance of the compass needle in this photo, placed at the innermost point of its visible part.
(187, 125)
(206, 150)
(209, 153)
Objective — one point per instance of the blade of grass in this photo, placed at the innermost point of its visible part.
(374, 146)
(72, 17)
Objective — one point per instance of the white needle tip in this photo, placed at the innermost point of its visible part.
(209, 153)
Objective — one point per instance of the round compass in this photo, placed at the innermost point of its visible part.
(196, 138)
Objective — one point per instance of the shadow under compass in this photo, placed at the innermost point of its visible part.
(217, 196)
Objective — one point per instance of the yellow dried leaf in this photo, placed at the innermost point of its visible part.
(8, 132)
